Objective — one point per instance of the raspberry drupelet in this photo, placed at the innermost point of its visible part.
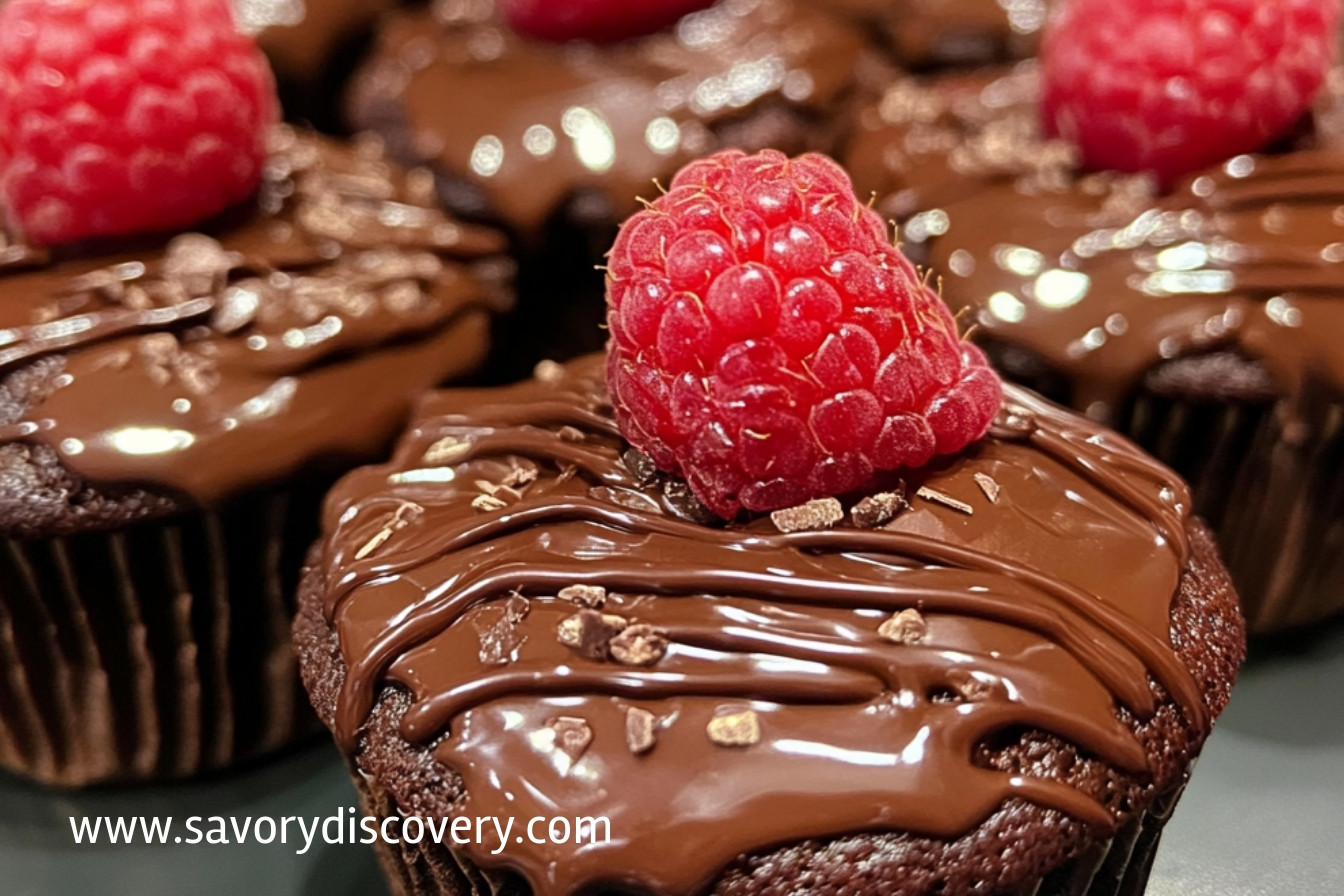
(771, 345)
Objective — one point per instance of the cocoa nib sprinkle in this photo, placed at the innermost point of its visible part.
(734, 727)
(641, 730)
(590, 632)
(820, 513)
(879, 509)
(591, 596)
(906, 627)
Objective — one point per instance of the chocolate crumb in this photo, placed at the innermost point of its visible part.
(591, 596)
(516, 608)
(572, 735)
(497, 490)
(447, 450)
(641, 730)
(497, 630)
(969, 686)
(590, 632)
(880, 509)
(819, 513)
(568, 473)
(735, 729)
(988, 486)
(679, 498)
(906, 627)
(1017, 421)
(937, 497)
(639, 645)
(487, 503)
(571, 434)
(640, 465)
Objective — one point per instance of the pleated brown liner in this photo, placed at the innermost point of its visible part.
(157, 651)
(1118, 866)
(1266, 480)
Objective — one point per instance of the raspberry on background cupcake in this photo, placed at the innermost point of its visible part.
(553, 137)
(1191, 303)
(959, 641)
(205, 318)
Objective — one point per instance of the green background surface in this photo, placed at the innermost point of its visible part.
(1263, 816)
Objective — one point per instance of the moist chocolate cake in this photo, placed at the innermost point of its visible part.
(1201, 321)
(555, 142)
(171, 410)
(990, 677)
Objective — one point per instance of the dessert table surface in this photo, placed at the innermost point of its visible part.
(1263, 815)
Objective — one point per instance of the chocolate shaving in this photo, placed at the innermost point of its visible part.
(590, 632)
(639, 645)
(640, 465)
(519, 477)
(819, 513)
(487, 503)
(682, 502)
(641, 730)
(740, 728)
(937, 497)
(906, 627)
(591, 596)
(989, 486)
(880, 509)
(572, 735)
(497, 629)
(570, 434)
(407, 513)
(447, 450)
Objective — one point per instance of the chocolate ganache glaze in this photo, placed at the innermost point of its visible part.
(1203, 321)
(287, 334)
(574, 639)
(931, 33)
(1098, 274)
(515, 127)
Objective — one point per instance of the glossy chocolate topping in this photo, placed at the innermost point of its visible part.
(1098, 274)
(294, 332)
(301, 36)
(530, 123)
(716, 690)
(926, 33)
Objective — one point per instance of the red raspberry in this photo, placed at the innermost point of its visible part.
(123, 116)
(771, 345)
(1171, 86)
(597, 20)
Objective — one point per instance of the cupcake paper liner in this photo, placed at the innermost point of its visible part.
(156, 651)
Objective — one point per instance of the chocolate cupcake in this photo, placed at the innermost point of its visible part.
(314, 47)
(928, 34)
(173, 405)
(554, 141)
(987, 667)
(1197, 319)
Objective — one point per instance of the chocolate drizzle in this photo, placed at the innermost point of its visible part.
(1046, 609)
(234, 356)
